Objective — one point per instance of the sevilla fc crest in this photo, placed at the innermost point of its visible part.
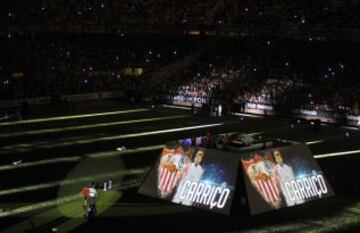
(260, 170)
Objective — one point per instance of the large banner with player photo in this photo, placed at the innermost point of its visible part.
(194, 176)
(284, 177)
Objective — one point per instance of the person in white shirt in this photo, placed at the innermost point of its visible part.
(193, 173)
(92, 192)
(284, 173)
(91, 200)
(220, 108)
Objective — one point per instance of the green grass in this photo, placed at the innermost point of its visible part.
(123, 204)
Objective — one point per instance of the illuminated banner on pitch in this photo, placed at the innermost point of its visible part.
(284, 177)
(194, 176)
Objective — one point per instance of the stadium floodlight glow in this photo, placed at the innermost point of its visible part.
(81, 127)
(74, 117)
(41, 145)
(98, 155)
(58, 201)
(74, 181)
(335, 154)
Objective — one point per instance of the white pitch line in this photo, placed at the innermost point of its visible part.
(27, 146)
(176, 107)
(235, 113)
(98, 155)
(247, 115)
(103, 154)
(55, 202)
(336, 154)
(86, 127)
(314, 142)
(41, 162)
(73, 117)
(73, 181)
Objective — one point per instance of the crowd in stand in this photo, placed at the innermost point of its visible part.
(43, 65)
(300, 74)
(320, 14)
(305, 74)
(273, 71)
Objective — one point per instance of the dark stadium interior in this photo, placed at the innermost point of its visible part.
(92, 90)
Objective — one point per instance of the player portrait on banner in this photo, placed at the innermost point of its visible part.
(191, 172)
(284, 174)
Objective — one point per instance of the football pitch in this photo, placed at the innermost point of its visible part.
(61, 153)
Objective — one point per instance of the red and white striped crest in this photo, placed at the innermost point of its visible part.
(263, 180)
(269, 191)
(167, 180)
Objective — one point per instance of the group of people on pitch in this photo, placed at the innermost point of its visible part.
(90, 194)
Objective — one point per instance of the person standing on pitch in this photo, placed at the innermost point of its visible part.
(91, 201)
(85, 195)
